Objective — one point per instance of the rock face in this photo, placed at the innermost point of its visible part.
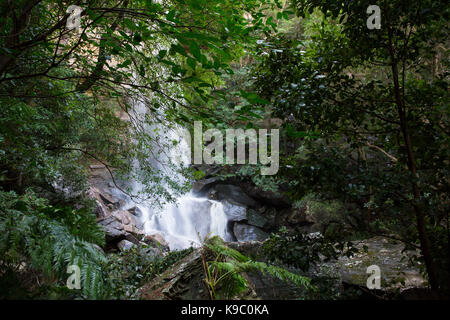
(245, 232)
(249, 217)
(235, 195)
(119, 225)
(385, 254)
(234, 212)
(113, 228)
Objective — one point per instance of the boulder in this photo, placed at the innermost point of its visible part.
(105, 202)
(293, 218)
(125, 245)
(245, 232)
(101, 209)
(251, 249)
(113, 228)
(234, 212)
(120, 226)
(270, 214)
(125, 217)
(157, 241)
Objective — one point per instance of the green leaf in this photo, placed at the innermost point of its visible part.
(195, 49)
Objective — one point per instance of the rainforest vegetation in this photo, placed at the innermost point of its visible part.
(363, 116)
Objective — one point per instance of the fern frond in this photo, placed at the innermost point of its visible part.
(230, 264)
(49, 244)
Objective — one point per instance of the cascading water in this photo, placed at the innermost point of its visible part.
(188, 221)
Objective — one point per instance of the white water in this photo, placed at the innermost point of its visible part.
(187, 222)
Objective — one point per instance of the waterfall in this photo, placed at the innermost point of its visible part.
(190, 219)
(187, 222)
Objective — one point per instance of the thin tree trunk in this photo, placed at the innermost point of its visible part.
(425, 244)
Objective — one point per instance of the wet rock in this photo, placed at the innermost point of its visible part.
(245, 232)
(200, 185)
(135, 211)
(137, 215)
(235, 195)
(234, 212)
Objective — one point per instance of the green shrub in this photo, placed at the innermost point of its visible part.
(39, 239)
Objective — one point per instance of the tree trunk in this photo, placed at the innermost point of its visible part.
(425, 244)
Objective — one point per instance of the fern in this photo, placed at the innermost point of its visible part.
(31, 234)
(225, 273)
